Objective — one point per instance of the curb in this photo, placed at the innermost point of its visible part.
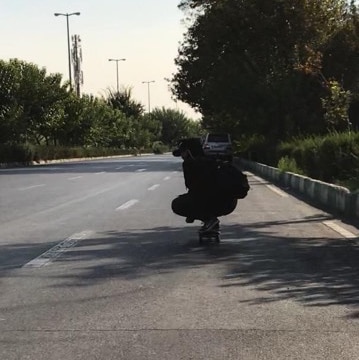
(333, 197)
(57, 161)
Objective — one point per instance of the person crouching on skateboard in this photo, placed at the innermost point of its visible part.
(202, 201)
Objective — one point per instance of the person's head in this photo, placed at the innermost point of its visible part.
(189, 148)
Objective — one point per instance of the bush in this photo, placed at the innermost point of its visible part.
(26, 154)
(159, 148)
(289, 165)
(16, 153)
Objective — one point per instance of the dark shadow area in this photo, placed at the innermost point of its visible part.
(313, 271)
(126, 164)
(16, 256)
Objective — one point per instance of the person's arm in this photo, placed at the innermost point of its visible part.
(193, 175)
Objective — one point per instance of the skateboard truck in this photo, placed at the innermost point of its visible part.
(213, 234)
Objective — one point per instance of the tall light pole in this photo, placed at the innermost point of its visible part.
(117, 60)
(68, 39)
(148, 92)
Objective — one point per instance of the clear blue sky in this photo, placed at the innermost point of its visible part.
(145, 32)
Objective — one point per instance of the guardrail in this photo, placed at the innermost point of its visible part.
(333, 197)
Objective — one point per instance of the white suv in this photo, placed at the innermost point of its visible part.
(218, 145)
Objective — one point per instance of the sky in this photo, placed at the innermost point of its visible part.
(147, 33)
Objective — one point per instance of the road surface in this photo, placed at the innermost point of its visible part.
(94, 265)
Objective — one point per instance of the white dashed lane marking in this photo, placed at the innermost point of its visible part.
(31, 187)
(127, 204)
(153, 187)
(140, 170)
(167, 178)
(75, 178)
(57, 250)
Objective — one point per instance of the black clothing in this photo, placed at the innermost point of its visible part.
(192, 144)
(202, 201)
(202, 208)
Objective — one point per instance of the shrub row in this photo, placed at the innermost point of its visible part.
(331, 158)
(27, 154)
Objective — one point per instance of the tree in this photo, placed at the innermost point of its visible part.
(33, 101)
(245, 60)
(174, 125)
(123, 101)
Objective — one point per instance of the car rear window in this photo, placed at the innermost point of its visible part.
(217, 138)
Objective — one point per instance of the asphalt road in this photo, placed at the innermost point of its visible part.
(94, 265)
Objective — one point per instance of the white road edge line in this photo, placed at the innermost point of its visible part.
(337, 228)
(274, 188)
(277, 190)
(31, 187)
(127, 204)
(153, 187)
(47, 257)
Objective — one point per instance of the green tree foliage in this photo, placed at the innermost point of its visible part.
(124, 102)
(174, 125)
(37, 109)
(336, 106)
(33, 100)
(263, 66)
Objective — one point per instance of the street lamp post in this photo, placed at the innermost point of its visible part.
(117, 60)
(148, 92)
(68, 39)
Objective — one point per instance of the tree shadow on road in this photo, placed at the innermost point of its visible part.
(314, 271)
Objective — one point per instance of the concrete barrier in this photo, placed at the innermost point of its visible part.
(334, 197)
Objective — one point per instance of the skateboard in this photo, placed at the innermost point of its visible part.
(209, 235)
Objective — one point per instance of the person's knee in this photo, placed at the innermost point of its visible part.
(175, 205)
(178, 205)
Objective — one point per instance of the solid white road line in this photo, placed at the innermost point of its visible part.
(31, 187)
(101, 172)
(337, 228)
(153, 187)
(56, 251)
(74, 178)
(277, 190)
(271, 187)
(127, 204)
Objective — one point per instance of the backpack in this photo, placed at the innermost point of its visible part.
(231, 181)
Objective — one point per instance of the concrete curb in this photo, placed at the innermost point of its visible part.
(334, 197)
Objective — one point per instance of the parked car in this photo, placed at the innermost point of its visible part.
(218, 145)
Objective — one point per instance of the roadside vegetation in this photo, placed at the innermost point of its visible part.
(281, 76)
(42, 119)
